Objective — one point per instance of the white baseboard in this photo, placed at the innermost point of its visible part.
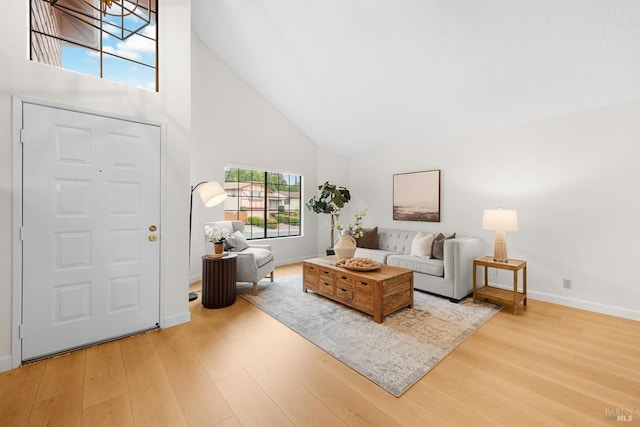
(195, 278)
(176, 319)
(586, 305)
(581, 304)
(5, 363)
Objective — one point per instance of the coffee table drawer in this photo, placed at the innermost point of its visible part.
(326, 274)
(311, 270)
(310, 277)
(364, 286)
(326, 287)
(344, 288)
(363, 298)
(344, 281)
(344, 293)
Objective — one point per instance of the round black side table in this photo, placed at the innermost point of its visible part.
(218, 280)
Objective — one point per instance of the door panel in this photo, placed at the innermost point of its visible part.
(91, 190)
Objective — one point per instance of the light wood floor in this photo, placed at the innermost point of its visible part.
(236, 366)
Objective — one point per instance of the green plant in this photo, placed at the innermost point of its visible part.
(331, 199)
(256, 220)
(272, 223)
(292, 219)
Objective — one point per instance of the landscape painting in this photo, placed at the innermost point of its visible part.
(416, 196)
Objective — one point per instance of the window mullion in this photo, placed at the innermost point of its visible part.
(266, 203)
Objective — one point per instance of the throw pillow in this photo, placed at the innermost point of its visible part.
(236, 242)
(421, 244)
(437, 251)
(369, 239)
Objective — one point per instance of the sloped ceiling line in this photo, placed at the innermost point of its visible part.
(358, 75)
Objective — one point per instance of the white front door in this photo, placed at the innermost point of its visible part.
(91, 228)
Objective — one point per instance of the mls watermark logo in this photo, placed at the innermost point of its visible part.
(618, 414)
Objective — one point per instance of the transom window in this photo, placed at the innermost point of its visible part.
(114, 40)
(267, 203)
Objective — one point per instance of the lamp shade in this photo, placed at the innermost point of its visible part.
(211, 193)
(500, 220)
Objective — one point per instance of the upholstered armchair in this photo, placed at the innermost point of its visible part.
(254, 261)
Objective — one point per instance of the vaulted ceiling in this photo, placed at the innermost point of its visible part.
(361, 75)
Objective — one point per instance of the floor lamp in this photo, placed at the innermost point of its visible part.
(211, 194)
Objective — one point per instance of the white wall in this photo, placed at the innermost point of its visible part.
(172, 106)
(233, 125)
(575, 181)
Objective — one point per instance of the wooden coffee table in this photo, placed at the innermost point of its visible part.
(378, 293)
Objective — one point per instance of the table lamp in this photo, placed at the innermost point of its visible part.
(500, 220)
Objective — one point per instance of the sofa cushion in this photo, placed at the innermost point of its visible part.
(236, 242)
(421, 244)
(398, 241)
(378, 255)
(437, 250)
(262, 256)
(369, 239)
(433, 267)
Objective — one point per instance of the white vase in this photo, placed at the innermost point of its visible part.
(345, 246)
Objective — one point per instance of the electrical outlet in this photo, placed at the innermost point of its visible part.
(566, 283)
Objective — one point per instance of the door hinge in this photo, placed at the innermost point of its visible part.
(22, 234)
(20, 331)
(22, 136)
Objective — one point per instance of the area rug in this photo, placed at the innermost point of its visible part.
(394, 354)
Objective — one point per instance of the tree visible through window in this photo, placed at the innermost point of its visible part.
(118, 42)
(267, 203)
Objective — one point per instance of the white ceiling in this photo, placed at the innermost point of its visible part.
(358, 75)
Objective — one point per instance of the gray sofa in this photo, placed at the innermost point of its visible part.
(450, 277)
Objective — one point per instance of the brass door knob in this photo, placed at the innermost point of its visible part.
(152, 237)
(152, 228)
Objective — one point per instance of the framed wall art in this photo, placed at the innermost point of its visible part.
(416, 196)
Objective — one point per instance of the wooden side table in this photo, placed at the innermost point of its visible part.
(501, 296)
(218, 280)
